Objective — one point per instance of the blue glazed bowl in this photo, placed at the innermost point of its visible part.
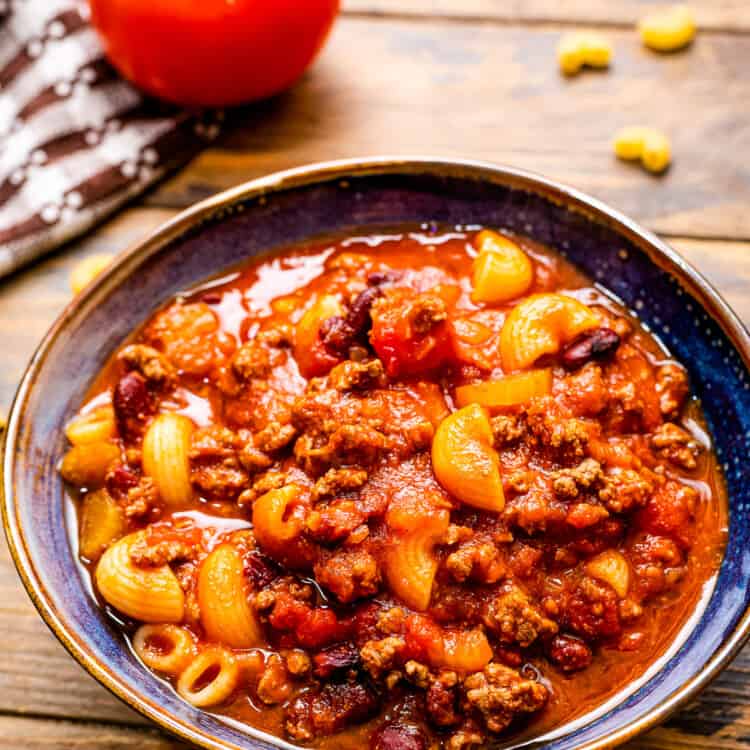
(672, 298)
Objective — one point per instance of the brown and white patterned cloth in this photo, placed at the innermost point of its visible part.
(76, 141)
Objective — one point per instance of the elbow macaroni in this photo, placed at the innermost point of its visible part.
(226, 614)
(512, 390)
(649, 145)
(465, 462)
(542, 324)
(147, 594)
(165, 457)
(611, 567)
(580, 49)
(502, 271)
(411, 563)
(96, 426)
(164, 648)
(86, 270)
(210, 678)
(274, 526)
(86, 465)
(465, 651)
(102, 522)
(669, 29)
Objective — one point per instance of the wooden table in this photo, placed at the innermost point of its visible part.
(470, 78)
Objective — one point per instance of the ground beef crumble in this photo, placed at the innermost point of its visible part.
(150, 363)
(141, 499)
(349, 574)
(513, 618)
(500, 694)
(146, 554)
(476, 559)
(380, 656)
(676, 445)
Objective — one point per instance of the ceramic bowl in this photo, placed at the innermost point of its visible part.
(672, 298)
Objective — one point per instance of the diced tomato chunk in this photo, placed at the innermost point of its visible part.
(669, 512)
(423, 638)
(313, 627)
(408, 334)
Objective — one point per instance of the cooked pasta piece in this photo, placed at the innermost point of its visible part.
(94, 427)
(541, 324)
(581, 48)
(502, 271)
(649, 145)
(511, 390)
(148, 594)
(410, 562)
(210, 678)
(86, 465)
(278, 520)
(465, 462)
(611, 567)
(668, 29)
(86, 270)
(101, 523)
(465, 650)
(226, 614)
(165, 648)
(165, 457)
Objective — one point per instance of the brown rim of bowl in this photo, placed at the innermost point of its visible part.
(659, 252)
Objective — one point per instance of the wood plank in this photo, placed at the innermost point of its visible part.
(494, 93)
(38, 734)
(710, 14)
(45, 734)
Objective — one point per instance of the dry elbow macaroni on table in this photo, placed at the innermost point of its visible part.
(664, 30)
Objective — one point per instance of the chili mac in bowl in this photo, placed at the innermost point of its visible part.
(399, 452)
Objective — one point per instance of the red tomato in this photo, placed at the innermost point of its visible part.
(213, 52)
(400, 346)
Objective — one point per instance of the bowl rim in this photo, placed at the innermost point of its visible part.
(211, 209)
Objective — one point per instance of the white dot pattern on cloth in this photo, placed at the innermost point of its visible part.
(74, 199)
(107, 145)
(50, 213)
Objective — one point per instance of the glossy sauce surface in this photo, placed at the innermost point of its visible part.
(573, 635)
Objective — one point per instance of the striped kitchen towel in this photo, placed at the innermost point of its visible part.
(76, 141)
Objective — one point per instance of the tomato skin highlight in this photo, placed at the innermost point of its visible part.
(213, 52)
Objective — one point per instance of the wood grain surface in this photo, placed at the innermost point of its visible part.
(730, 15)
(493, 92)
(468, 78)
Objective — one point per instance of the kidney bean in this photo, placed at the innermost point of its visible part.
(340, 333)
(569, 653)
(336, 705)
(398, 736)
(131, 402)
(335, 659)
(119, 480)
(260, 570)
(592, 345)
(337, 335)
(359, 313)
